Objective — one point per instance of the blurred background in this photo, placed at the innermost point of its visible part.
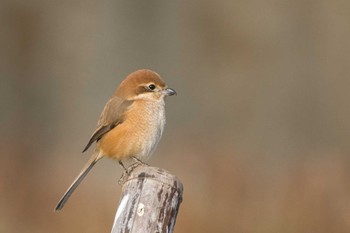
(258, 133)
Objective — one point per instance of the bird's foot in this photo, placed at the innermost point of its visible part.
(138, 161)
(129, 169)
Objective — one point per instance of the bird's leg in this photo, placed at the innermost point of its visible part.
(127, 171)
(122, 165)
(124, 175)
(139, 161)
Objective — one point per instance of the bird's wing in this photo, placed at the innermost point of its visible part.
(111, 116)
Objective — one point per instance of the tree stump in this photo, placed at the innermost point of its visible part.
(150, 201)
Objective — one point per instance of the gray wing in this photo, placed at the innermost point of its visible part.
(111, 116)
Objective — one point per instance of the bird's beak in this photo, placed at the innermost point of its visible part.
(169, 92)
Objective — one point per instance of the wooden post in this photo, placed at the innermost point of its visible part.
(150, 201)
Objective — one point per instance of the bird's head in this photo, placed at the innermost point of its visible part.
(143, 84)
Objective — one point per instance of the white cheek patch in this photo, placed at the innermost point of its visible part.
(147, 96)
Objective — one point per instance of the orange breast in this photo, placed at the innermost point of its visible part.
(136, 136)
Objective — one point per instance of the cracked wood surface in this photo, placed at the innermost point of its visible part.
(150, 201)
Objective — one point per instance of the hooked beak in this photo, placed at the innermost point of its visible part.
(169, 92)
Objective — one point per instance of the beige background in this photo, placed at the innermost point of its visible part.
(258, 133)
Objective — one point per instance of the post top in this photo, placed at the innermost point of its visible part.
(154, 173)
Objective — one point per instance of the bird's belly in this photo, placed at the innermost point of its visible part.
(139, 141)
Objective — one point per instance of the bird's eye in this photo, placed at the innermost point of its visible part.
(152, 87)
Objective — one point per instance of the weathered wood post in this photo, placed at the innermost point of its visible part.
(150, 201)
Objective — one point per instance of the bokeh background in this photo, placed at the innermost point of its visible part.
(258, 133)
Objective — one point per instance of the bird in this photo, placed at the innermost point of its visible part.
(130, 125)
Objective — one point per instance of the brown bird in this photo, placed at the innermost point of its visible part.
(130, 125)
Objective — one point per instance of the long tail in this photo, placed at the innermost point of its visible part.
(92, 161)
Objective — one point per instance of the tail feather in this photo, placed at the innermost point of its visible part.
(76, 182)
